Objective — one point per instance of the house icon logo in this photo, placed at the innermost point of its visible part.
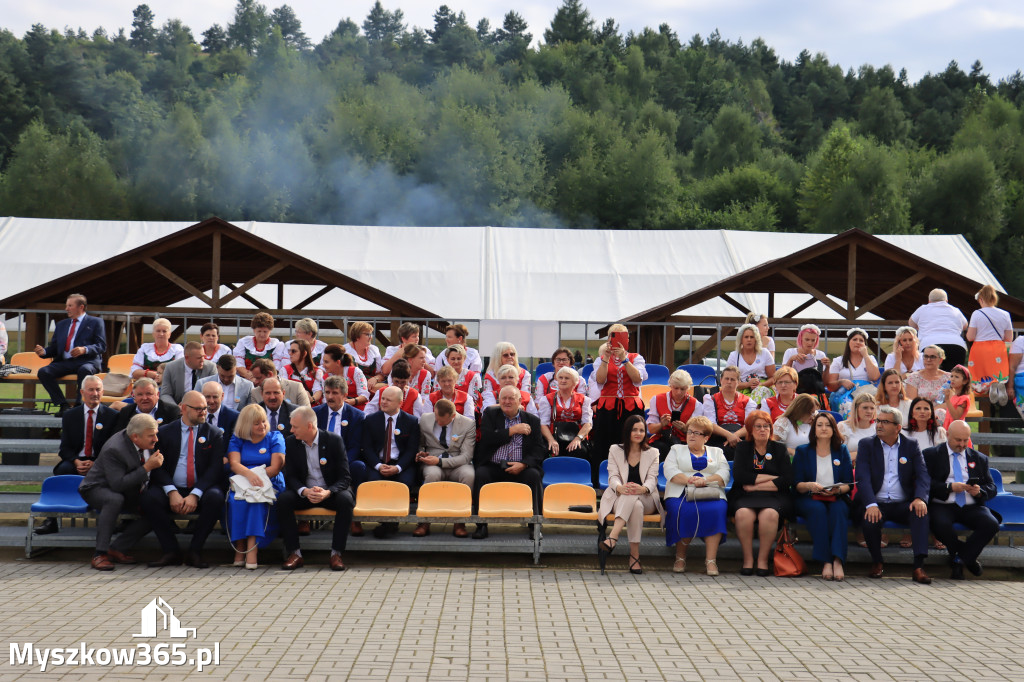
(158, 616)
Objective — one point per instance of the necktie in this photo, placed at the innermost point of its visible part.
(332, 422)
(88, 436)
(273, 420)
(444, 437)
(71, 335)
(194, 374)
(387, 442)
(211, 419)
(958, 476)
(190, 463)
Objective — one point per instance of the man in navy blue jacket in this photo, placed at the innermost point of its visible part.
(77, 347)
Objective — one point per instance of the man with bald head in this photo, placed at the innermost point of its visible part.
(279, 412)
(391, 438)
(511, 448)
(961, 484)
(217, 413)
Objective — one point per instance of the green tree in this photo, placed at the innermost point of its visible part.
(61, 175)
(383, 26)
(250, 26)
(291, 28)
(512, 39)
(215, 40)
(572, 24)
(882, 117)
(733, 138)
(143, 34)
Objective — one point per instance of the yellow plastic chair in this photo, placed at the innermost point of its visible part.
(382, 498)
(30, 360)
(121, 363)
(505, 500)
(445, 499)
(558, 497)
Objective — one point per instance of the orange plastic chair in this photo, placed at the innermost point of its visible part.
(315, 511)
(445, 499)
(558, 497)
(121, 363)
(505, 500)
(30, 360)
(648, 391)
(382, 498)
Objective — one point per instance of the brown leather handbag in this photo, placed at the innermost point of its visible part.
(788, 562)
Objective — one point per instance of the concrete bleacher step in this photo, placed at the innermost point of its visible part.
(17, 503)
(997, 438)
(29, 445)
(1006, 463)
(30, 421)
(25, 473)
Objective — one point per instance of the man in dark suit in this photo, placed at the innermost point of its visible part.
(145, 392)
(961, 483)
(80, 427)
(115, 483)
(391, 439)
(315, 475)
(188, 482)
(218, 414)
(77, 347)
(511, 449)
(893, 485)
(279, 412)
(341, 419)
(184, 373)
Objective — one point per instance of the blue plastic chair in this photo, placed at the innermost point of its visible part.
(835, 415)
(701, 374)
(1011, 509)
(657, 374)
(662, 481)
(602, 475)
(564, 469)
(59, 495)
(586, 371)
(997, 478)
(542, 369)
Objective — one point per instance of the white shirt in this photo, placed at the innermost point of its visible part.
(337, 422)
(755, 369)
(372, 356)
(229, 392)
(213, 419)
(926, 441)
(890, 362)
(391, 350)
(654, 416)
(807, 363)
(891, 490)
(70, 346)
(314, 476)
(939, 323)
(85, 430)
(851, 436)
(374, 405)
(473, 362)
(587, 413)
(825, 475)
(1018, 347)
(991, 324)
(961, 461)
(792, 436)
(638, 362)
(394, 441)
(468, 409)
(859, 373)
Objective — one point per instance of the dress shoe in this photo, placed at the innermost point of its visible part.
(460, 531)
(356, 530)
(481, 531)
(385, 530)
(763, 572)
(305, 527)
(195, 560)
(292, 562)
(956, 571)
(49, 526)
(974, 567)
(119, 558)
(919, 576)
(747, 570)
(336, 563)
(101, 562)
(422, 530)
(172, 559)
(876, 571)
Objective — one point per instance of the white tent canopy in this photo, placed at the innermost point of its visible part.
(480, 273)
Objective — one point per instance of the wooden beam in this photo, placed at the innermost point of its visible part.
(697, 356)
(177, 332)
(258, 279)
(771, 304)
(799, 281)
(247, 297)
(881, 298)
(851, 281)
(802, 307)
(215, 271)
(178, 280)
(280, 294)
(380, 336)
(314, 297)
(734, 303)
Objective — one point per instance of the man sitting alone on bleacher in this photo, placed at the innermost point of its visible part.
(79, 429)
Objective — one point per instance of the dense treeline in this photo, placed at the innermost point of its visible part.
(461, 124)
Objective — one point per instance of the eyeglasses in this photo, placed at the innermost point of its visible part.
(884, 421)
(196, 407)
(691, 432)
(293, 351)
(929, 356)
(762, 427)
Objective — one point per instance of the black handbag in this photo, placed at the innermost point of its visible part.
(565, 433)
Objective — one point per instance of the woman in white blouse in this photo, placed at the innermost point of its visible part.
(806, 354)
(856, 367)
(756, 364)
(860, 423)
(905, 352)
(760, 321)
(891, 392)
(989, 330)
(794, 426)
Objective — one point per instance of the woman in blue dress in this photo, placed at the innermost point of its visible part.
(253, 524)
(698, 465)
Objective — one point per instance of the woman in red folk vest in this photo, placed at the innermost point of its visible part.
(302, 369)
(546, 382)
(668, 413)
(445, 381)
(336, 362)
(466, 379)
(504, 354)
(419, 375)
(617, 377)
(728, 410)
(508, 375)
(565, 416)
(786, 381)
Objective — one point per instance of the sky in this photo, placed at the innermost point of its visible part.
(920, 35)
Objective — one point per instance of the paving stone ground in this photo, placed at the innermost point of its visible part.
(387, 620)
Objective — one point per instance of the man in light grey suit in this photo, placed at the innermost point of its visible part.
(184, 374)
(115, 483)
(237, 389)
(294, 392)
(447, 439)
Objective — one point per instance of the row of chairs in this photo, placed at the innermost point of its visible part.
(116, 364)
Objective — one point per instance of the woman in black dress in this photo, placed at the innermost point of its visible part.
(762, 476)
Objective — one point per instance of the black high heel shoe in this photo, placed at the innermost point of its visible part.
(634, 566)
(604, 549)
(747, 570)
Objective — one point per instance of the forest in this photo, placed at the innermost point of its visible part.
(569, 125)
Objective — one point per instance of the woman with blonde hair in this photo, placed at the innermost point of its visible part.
(786, 381)
(504, 354)
(989, 330)
(892, 393)
(617, 377)
(755, 363)
(905, 356)
(861, 422)
(669, 412)
(152, 355)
